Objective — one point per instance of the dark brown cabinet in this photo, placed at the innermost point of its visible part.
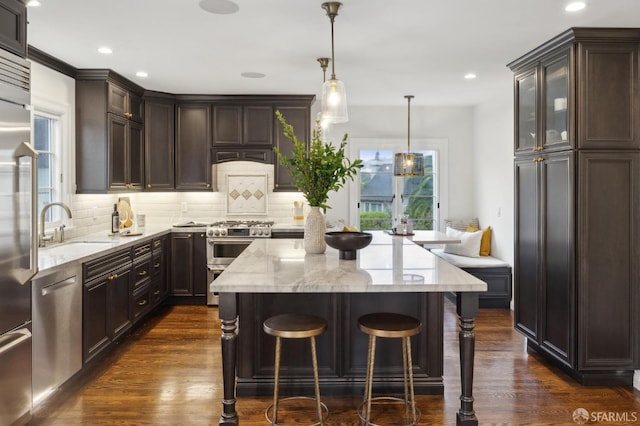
(159, 281)
(159, 143)
(188, 267)
(109, 136)
(577, 165)
(193, 147)
(243, 125)
(107, 313)
(13, 26)
(299, 118)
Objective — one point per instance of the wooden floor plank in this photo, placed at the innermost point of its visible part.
(168, 372)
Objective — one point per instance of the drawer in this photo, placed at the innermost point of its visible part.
(157, 245)
(141, 302)
(156, 265)
(141, 250)
(156, 292)
(105, 264)
(141, 273)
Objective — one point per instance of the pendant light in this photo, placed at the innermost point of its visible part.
(334, 96)
(323, 121)
(409, 164)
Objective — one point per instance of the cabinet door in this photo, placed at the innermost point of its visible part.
(193, 143)
(526, 278)
(227, 125)
(608, 96)
(558, 102)
(13, 27)
(136, 108)
(118, 129)
(120, 316)
(200, 283)
(608, 245)
(526, 89)
(557, 297)
(95, 330)
(298, 117)
(182, 264)
(159, 139)
(135, 158)
(118, 99)
(258, 125)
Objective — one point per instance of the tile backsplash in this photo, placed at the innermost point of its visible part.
(92, 213)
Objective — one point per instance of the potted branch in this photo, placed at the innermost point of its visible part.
(315, 171)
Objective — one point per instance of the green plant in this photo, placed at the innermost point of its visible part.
(317, 170)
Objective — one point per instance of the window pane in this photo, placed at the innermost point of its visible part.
(418, 196)
(376, 189)
(42, 133)
(44, 136)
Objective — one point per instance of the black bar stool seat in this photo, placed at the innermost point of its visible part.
(390, 325)
(295, 326)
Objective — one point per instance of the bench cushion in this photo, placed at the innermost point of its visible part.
(470, 262)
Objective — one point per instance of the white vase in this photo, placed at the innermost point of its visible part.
(314, 229)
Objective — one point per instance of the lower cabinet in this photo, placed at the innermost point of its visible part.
(120, 289)
(106, 302)
(189, 268)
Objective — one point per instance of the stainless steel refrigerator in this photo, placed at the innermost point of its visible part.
(18, 239)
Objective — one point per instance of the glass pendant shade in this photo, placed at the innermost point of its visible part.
(408, 164)
(334, 101)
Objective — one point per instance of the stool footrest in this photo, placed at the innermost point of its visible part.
(380, 400)
(322, 404)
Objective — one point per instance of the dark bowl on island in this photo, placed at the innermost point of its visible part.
(347, 243)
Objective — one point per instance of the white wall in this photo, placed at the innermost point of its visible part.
(452, 123)
(493, 171)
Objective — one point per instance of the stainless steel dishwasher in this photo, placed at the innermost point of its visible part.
(57, 328)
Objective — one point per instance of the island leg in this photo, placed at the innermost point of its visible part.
(467, 309)
(228, 310)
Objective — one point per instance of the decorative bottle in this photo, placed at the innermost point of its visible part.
(115, 220)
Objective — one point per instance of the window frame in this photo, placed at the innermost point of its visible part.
(441, 170)
(63, 152)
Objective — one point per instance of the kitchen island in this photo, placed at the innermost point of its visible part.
(277, 276)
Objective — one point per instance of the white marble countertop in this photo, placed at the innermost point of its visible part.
(90, 247)
(282, 266)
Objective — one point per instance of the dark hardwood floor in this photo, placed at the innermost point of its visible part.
(168, 373)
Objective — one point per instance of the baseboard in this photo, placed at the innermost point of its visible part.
(636, 379)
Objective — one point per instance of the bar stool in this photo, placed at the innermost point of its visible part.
(295, 326)
(390, 325)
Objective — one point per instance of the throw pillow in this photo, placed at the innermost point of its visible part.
(462, 225)
(469, 243)
(485, 242)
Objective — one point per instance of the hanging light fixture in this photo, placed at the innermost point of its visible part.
(322, 120)
(409, 164)
(334, 96)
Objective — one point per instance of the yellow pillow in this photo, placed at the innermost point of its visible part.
(485, 243)
(472, 228)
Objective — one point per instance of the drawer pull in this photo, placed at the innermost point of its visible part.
(156, 265)
(142, 273)
(157, 292)
(112, 277)
(142, 302)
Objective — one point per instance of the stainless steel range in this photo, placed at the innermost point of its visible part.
(225, 241)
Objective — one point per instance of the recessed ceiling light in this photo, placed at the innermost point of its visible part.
(219, 7)
(33, 3)
(142, 74)
(575, 6)
(105, 50)
(470, 76)
(251, 74)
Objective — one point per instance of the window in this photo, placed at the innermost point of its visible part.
(385, 198)
(46, 140)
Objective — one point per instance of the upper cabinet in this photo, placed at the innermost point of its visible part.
(299, 117)
(242, 125)
(109, 133)
(159, 134)
(576, 91)
(193, 147)
(13, 27)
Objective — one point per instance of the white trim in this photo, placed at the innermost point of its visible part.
(636, 379)
(440, 145)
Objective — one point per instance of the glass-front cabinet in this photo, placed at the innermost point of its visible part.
(543, 105)
(557, 101)
(526, 111)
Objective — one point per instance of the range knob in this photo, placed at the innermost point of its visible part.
(259, 231)
(217, 233)
(210, 232)
(253, 232)
(223, 232)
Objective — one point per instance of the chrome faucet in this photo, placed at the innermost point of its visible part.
(41, 236)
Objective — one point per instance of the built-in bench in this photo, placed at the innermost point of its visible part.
(495, 272)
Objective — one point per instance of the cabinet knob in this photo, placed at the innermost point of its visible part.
(157, 292)
(189, 236)
(142, 302)
(156, 265)
(142, 273)
(208, 185)
(148, 185)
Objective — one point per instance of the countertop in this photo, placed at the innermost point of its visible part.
(282, 266)
(90, 247)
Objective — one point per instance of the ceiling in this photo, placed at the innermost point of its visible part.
(383, 49)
